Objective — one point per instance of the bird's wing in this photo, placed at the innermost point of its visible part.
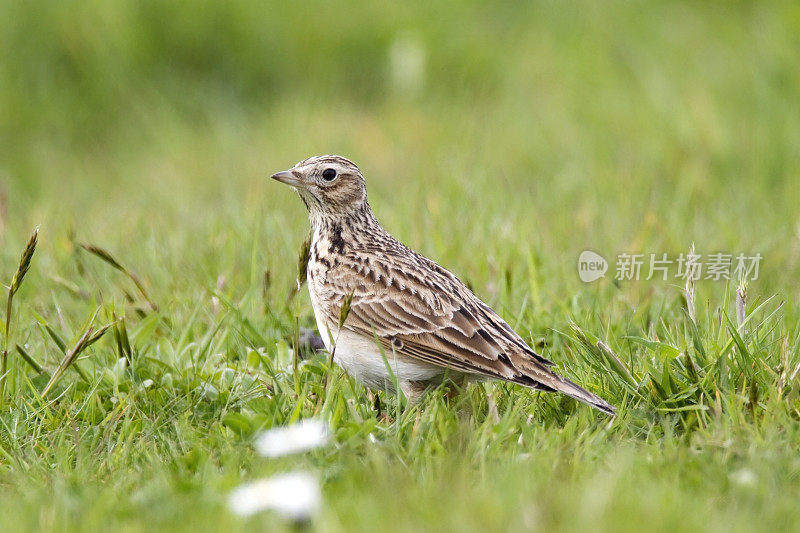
(416, 308)
(421, 310)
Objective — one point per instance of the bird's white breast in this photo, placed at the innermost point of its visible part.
(361, 358)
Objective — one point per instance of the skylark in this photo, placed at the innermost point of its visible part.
(406, 311)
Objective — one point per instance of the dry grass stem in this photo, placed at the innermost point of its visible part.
(689, 289)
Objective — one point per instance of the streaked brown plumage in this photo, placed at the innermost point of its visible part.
(406, 311)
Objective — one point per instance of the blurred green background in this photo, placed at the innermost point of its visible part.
(500, 139)
(547, 126)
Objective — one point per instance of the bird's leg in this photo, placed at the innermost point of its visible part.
(451, 392)
(376, 402)
(413, 390)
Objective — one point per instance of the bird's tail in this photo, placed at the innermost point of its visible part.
(544, 378)
(582, 395)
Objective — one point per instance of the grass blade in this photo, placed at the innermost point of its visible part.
(302, 261)
(86, 340)
(28, 359)
(22, 269)
(106, 256)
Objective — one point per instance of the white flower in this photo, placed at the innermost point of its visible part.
(744, 477)
(295, 496)
(302, 436)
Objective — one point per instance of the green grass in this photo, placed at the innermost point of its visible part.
(536, 131)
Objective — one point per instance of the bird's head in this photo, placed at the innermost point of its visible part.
(329, 185)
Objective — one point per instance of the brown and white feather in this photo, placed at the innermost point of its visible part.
(408, 308)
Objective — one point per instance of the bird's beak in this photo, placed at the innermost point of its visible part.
(289, 178)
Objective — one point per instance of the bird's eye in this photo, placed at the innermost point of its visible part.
(328, 174)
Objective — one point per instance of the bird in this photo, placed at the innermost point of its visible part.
(411, 323)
